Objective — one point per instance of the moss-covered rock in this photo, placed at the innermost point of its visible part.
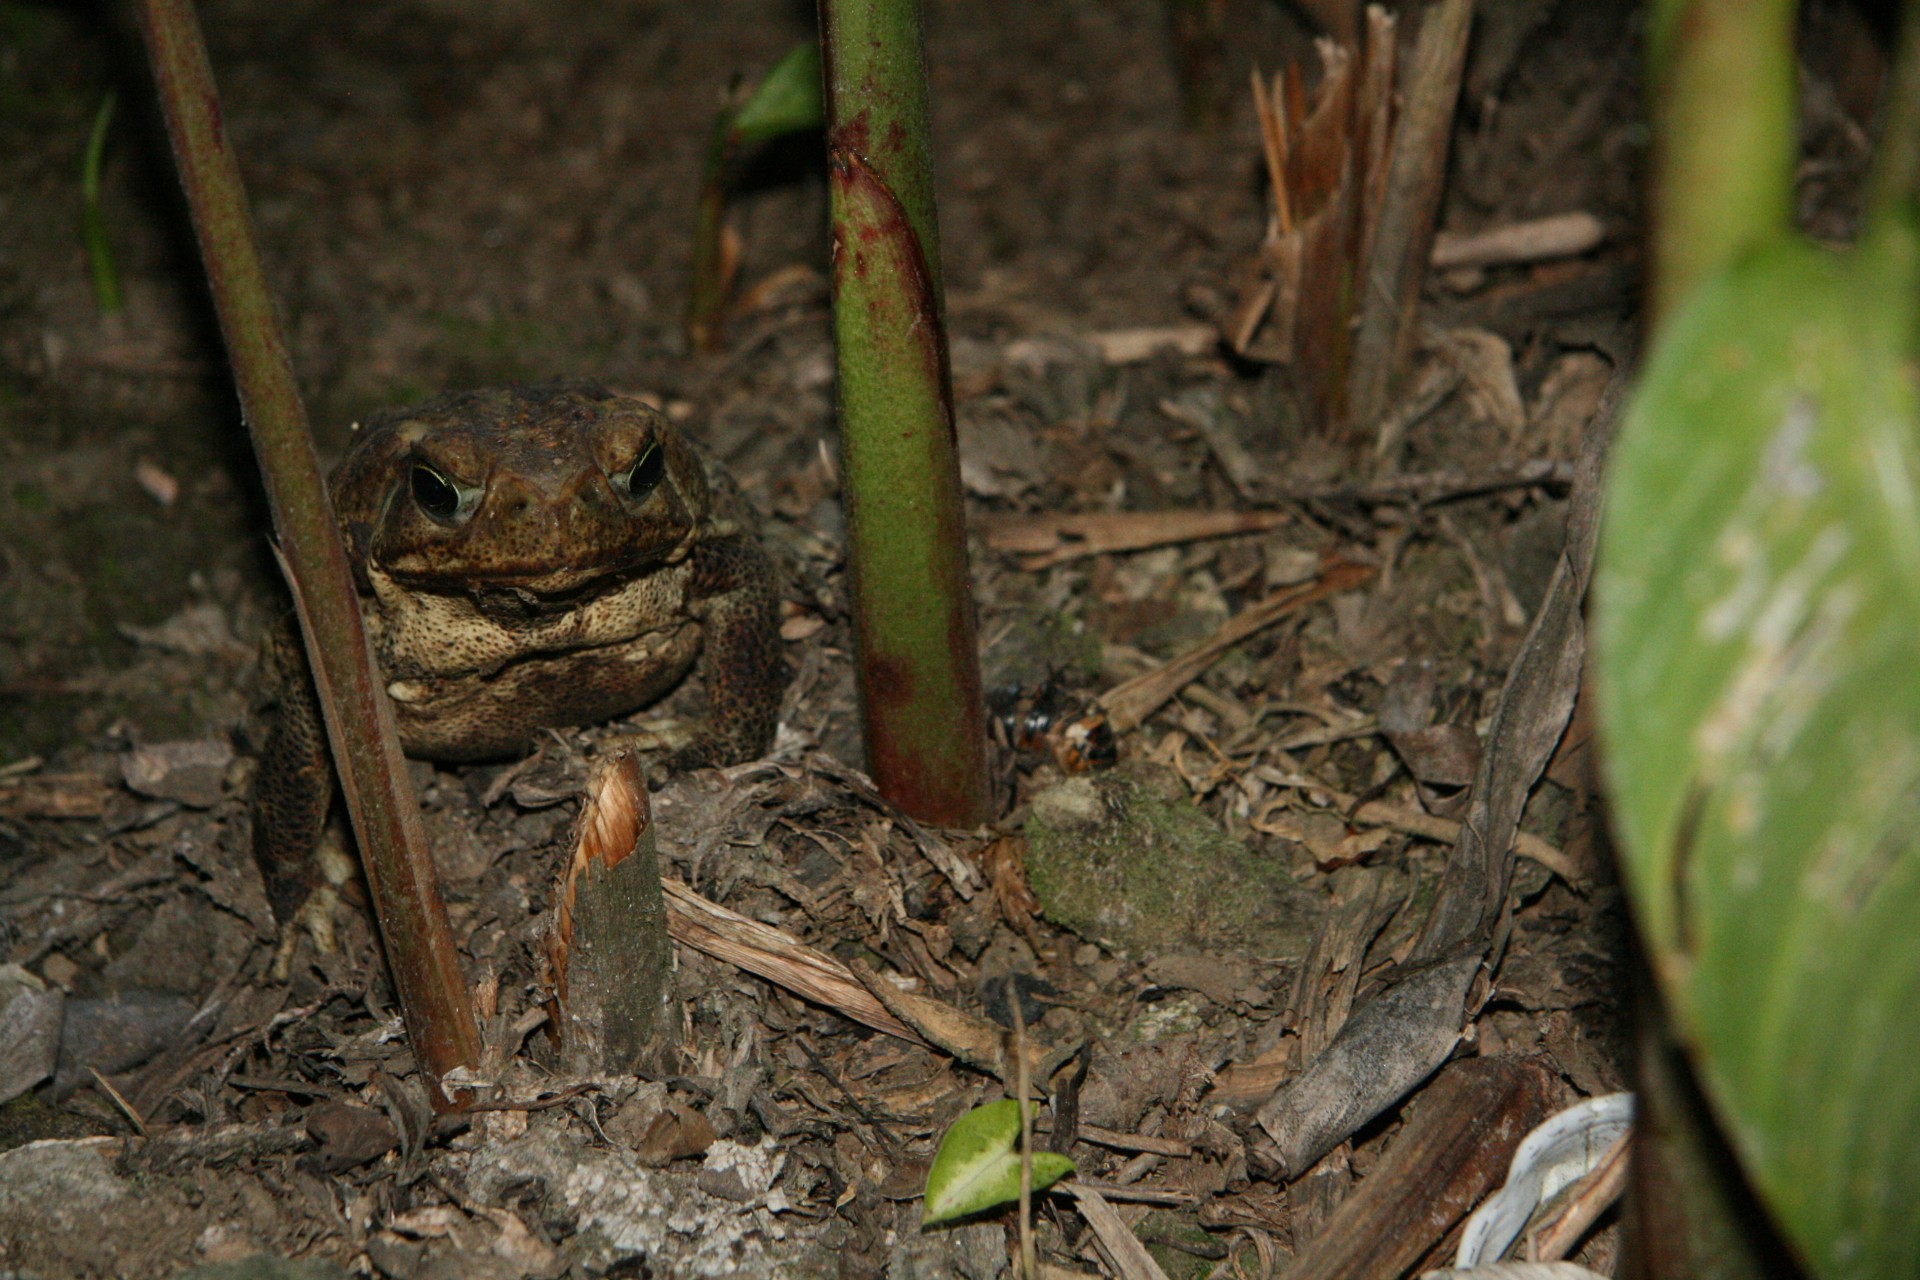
(1164, 1232)
(1126, 864)
(31, 1118)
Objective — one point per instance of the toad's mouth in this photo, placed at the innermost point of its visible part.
(533, 584)
(546, 597)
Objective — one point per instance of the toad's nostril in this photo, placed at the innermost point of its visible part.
(512, 502)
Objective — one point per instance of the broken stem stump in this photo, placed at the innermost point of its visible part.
(612, 965)
(1396, 256)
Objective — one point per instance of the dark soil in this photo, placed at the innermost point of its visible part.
(451, 195)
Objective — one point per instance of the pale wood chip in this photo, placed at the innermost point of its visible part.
(1130, 346)
(1560, 235)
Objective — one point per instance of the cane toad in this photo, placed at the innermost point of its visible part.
(528, 557)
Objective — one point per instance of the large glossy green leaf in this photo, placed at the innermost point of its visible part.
(1757, 629)
(978, 1164)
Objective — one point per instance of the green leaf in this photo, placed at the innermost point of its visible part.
(787, 99)
(1757, 621)
(978, 1164)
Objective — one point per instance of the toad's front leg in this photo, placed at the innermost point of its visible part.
(292, 792)
(734, 595)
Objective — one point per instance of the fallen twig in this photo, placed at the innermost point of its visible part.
(1051, 538)
(54, 795)
(1563, 235)
(1139, 1195)
(1416, 822)
(114, 1096)
(1117, 1141)
(1590, 1197)
(866, 995)
(1128, 705)
(778, 957)
(200, 1145)
(1117, 1241)
(1429, 487)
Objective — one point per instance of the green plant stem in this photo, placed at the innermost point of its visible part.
(708, 293)
(786, 100)
(93, 223)
(386, 817)
(1896, 167)
(918, 661)
(876, 99)
(1721, 93)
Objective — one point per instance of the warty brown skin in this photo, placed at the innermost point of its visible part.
(528, 557)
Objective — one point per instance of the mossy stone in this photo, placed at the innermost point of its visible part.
(1141, 868)
(1195, 1262)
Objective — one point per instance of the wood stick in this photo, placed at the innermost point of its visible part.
(1564, 235)
(1452, 1151)
(1592, 1196)
(1053, 537)
(1049, 538)
(865, 996)
(1403, 236)
(1122, 1248)
(1270, 147)
(780, 958)
(1283, 201)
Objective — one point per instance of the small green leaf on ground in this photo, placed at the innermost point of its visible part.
(978, 1164)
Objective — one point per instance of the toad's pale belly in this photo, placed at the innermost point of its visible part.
(470, 685)
(475, 716)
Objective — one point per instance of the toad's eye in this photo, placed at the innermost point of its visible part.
(643, 477)
(434, 492)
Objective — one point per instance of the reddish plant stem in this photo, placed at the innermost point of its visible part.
(919, 666)
(380, 800)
